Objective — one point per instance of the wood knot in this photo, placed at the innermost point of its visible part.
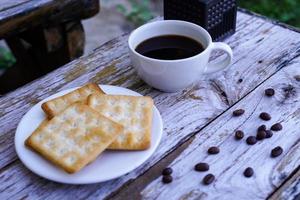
(289, 91)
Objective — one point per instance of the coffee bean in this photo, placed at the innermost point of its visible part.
(202, 167)
(213, 150)
(167, 171)
(269, 133)
(261, 135)
(167, 179)
(208, 179)
(248, 172)
(277, 151)
(238, 112)
(265, 116)
(239, 135)
(297, 77)
(240, 80)
(269, 92)
(276, 127)
(262, 128)
(251, 140)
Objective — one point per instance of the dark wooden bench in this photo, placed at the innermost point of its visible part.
(43, 35)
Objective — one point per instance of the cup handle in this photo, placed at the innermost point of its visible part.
(214, 67)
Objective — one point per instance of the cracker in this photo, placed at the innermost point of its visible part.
(74, 138)
(134, 113)
(57, 105)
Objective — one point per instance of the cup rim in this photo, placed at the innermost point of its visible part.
(168, 21)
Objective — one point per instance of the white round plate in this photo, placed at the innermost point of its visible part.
(109, 165)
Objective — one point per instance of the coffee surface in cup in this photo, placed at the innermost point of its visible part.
(169, 47)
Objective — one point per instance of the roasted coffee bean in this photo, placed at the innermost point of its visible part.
(261, 135)
(248, 172)
(213, 150)
(167, 179)
(208, 179)
(276, 127)
(277, 151)
(167, 171)
(262, 128)
(297, 77)
(265, 116)
(239, 135)
(251, 140)
(269, 92)
(238, 112)
(202, 167)
(269, 133)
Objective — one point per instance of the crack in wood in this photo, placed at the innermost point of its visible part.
(220, 91)
(285, 59)
(275, 194)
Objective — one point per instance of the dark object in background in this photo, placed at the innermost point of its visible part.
(42, 35)
(218, 17)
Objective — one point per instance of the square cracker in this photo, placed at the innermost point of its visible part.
(57, 105)
(134, 113)
(74, 138)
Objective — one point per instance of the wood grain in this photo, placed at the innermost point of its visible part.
(290, 190)
(260, 48)
(6, 4)
(235, 156)
(21, 15)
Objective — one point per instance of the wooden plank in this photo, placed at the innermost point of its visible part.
(6, 4)
(235, 156)
(198, 105)
(28, 14)
(290, 190)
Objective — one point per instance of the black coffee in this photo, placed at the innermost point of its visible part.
(169, 47)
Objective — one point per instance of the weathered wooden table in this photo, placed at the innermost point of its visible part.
(266, 54)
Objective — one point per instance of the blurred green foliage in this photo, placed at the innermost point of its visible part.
(138, 13)
(287, 11)
(6, 58)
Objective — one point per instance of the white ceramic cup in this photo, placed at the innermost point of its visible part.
(175, 75)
